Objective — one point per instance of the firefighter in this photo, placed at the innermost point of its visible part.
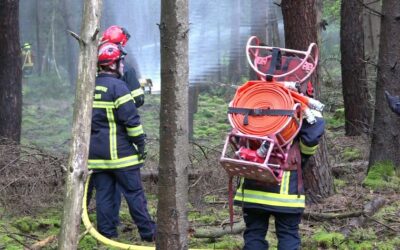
(119, 35)
(286, 202)
(117, 147)
(393, 102)
(27, 60)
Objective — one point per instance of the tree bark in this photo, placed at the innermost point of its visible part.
(272, 37)
(258, 21)
(357, 108)
(71, 23)
(234, 59)
(372, 25)
(172, 219)
(10, 71)
(77, 162)
(302, 26)
(386, 134)
(38, 59)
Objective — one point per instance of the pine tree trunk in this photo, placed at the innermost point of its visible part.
(357, 108)
(302, 24)
(172, 220)
(10, 71)
(273, 38)
(234, 60)
(386, 133)
(79, 150)
(258, 22)
(71, 23)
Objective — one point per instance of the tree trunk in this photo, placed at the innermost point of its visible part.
(172, 220)
(38, 58)
(302, 25)
(71, 23)
(77, 162)
(258, 22)
(357, 108)
(234, 60)
(386, 134)
(10, 71)
(272, 37)
(372, 25)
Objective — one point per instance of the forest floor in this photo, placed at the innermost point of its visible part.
(359, 215)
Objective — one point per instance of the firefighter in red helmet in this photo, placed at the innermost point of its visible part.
(117, 145)
(120, 36)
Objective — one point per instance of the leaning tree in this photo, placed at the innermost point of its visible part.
(79, 150)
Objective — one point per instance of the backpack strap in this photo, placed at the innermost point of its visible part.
(276, 62)
(258, 112)
(230, 201)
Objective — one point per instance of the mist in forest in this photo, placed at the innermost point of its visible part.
(217, 37)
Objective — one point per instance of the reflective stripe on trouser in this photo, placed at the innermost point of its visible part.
(114, 164)
(272, 199)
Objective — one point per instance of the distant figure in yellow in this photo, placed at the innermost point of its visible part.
(27, 62)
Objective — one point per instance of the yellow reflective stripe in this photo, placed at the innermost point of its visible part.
(137, 92)
(122, 100)
(97, 96)
(307, 150)
(113, 134)
(102, 104)
(101, 88)
(113, 164)
(272, 199)
(285, 183)
(135, 131)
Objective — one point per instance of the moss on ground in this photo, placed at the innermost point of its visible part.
(381, 176)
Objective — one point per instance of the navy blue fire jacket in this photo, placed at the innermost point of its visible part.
(133, 84)
(116, 129)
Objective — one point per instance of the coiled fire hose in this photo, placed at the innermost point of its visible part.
(106, 241)
(264, 96)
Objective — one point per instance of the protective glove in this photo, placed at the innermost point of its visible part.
(394, 102)
(142, 151)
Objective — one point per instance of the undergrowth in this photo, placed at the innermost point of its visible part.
(47, 123)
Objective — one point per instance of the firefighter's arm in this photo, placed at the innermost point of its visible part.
(134, 86)
(310, 135)
(128, 116)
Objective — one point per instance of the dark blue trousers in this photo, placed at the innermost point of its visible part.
(117, 202)
(130, 184)
(286, 226)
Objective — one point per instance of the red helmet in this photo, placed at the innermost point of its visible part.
(116, 34)
(109, 53)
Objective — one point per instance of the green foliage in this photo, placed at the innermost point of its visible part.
(338, 183)
(88, 242)
(226, 242)
(211, 120)
(390, 208)
(47, 113)
(331, 11)
(382, 176)
(327, 240)
(26, 224)
(336, 120)
(351, 154)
